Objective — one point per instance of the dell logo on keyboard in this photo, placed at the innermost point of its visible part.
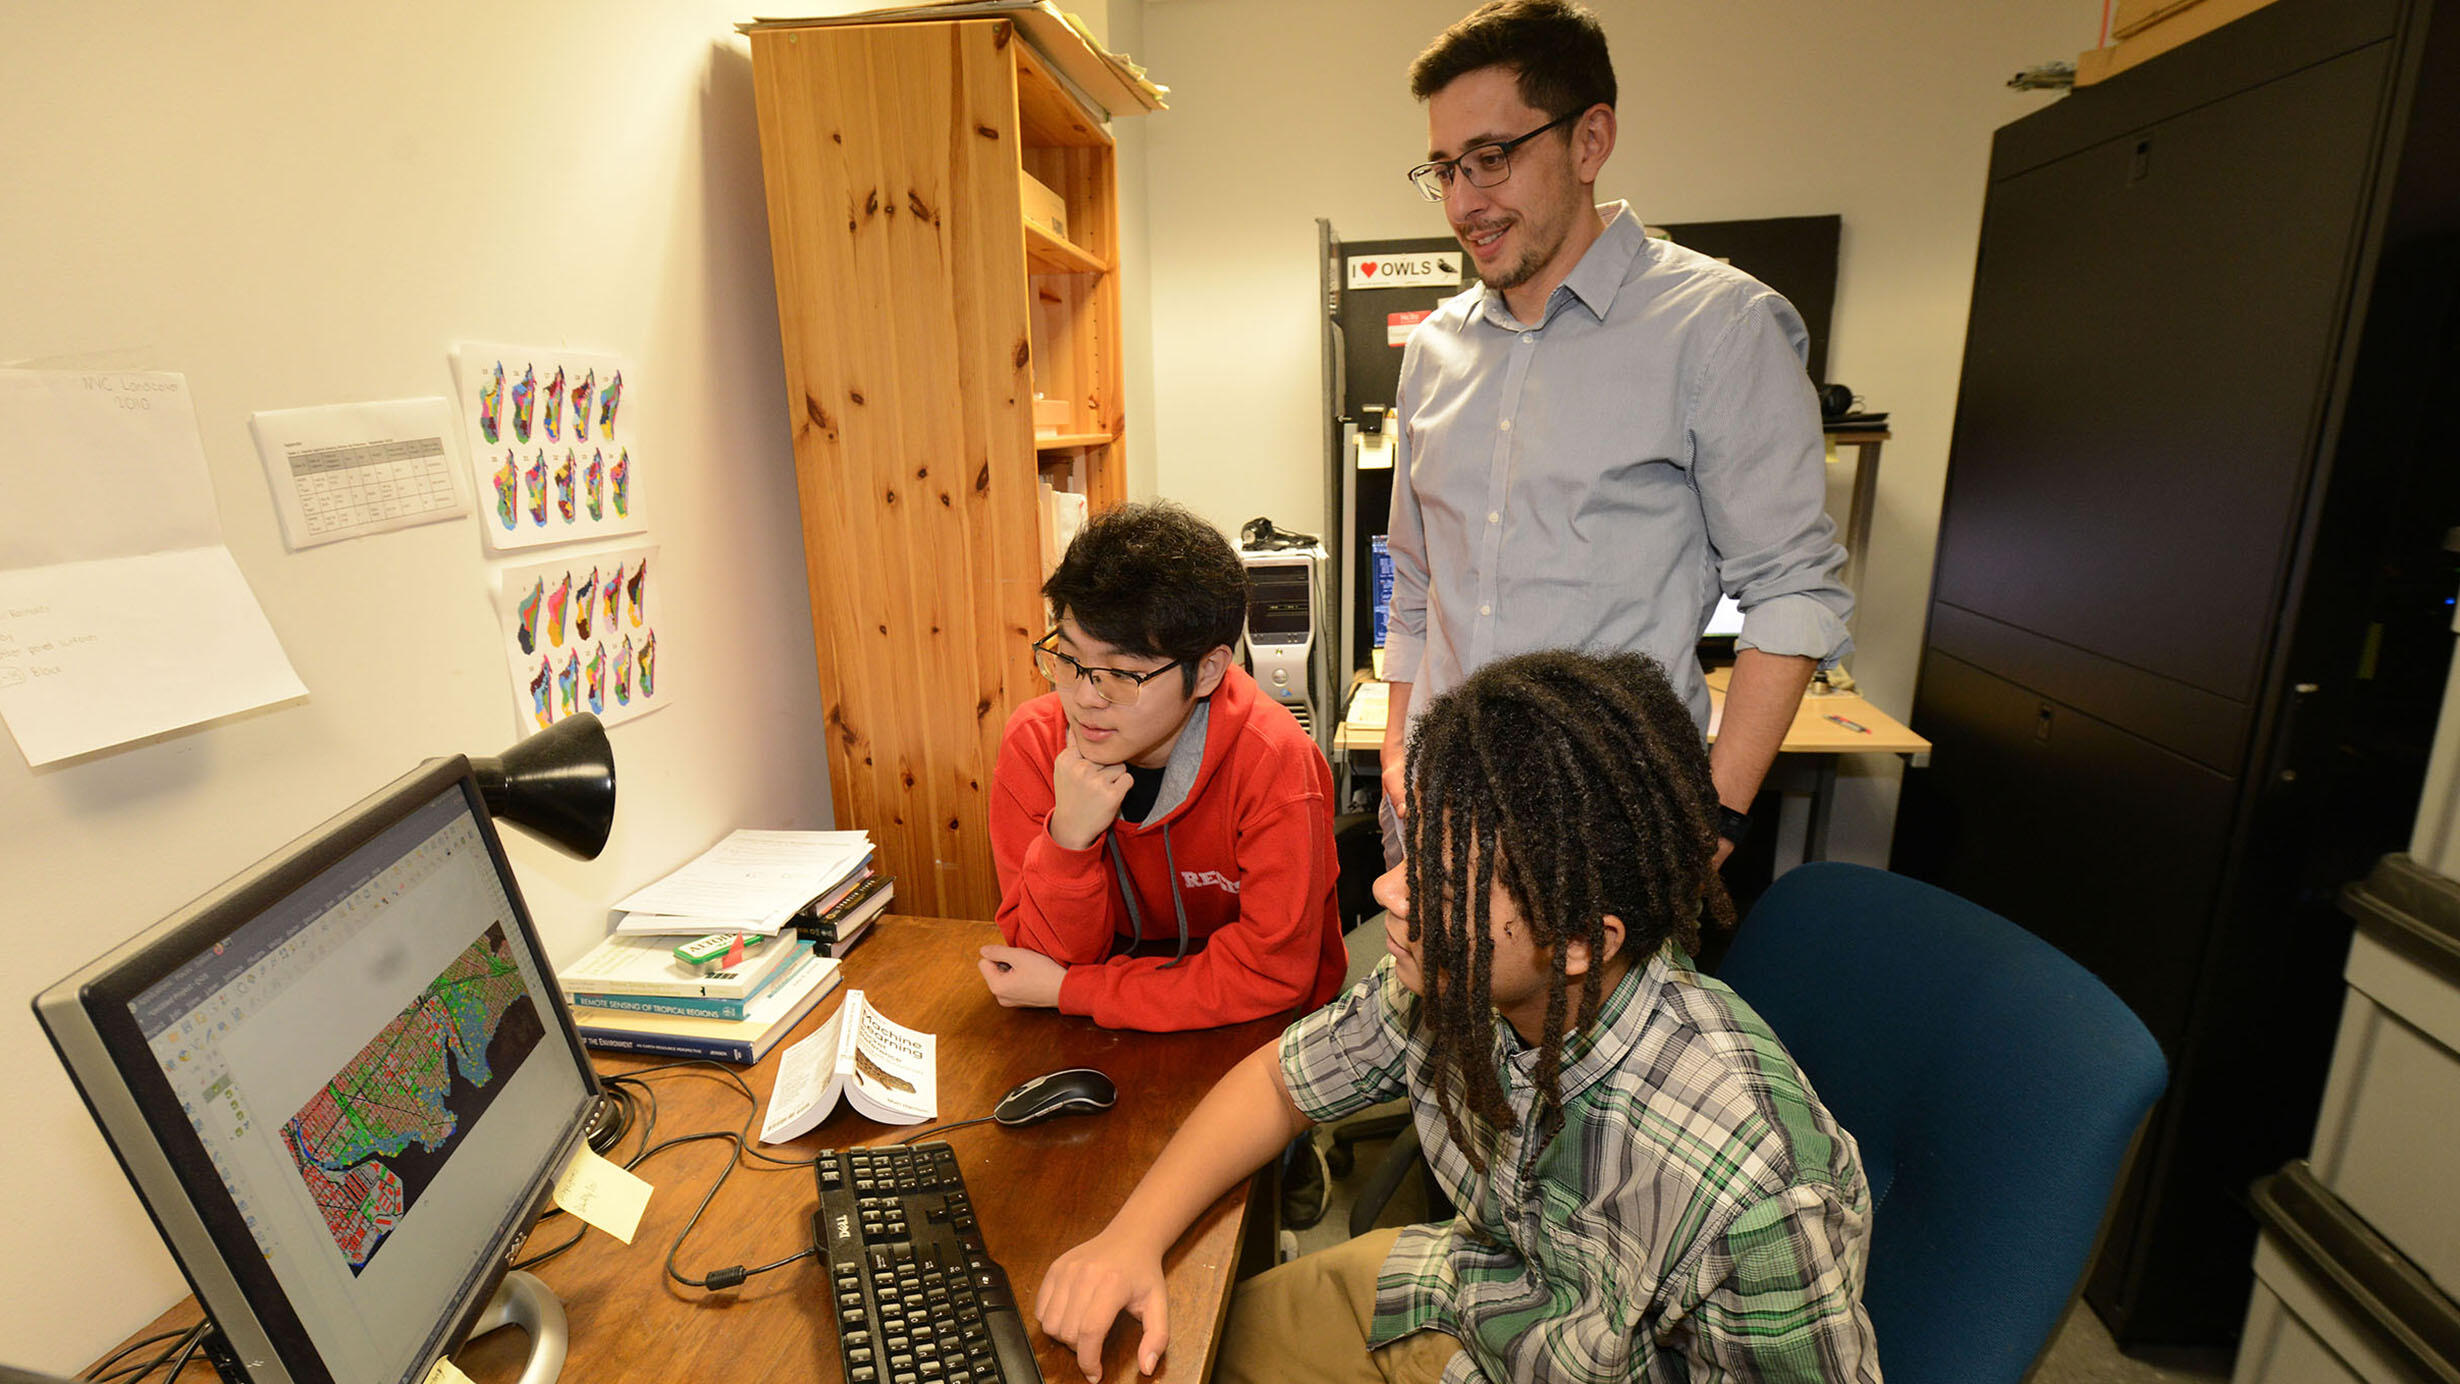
(1197, 879)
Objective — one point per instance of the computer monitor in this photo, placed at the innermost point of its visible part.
(343, 1085)
(1725, 621)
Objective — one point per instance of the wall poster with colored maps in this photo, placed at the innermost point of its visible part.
(372, 1138)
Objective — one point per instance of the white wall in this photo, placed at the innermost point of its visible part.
(303, 203)
(1286, 110)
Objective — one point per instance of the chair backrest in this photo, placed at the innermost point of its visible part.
(1993, 1085)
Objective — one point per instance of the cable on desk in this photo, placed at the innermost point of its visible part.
(943, 1128)
(179, 1350)
(132, 1348)
(180, 1361)
(734, 1274)
(734, 1078)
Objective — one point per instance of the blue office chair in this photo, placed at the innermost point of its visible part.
(1994, 1086)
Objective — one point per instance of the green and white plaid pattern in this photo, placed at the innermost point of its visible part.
(1700, 1216)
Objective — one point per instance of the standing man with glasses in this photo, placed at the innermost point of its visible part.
(1163, 830)
(1608, 432)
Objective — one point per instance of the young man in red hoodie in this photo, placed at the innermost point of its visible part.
(1163, 830)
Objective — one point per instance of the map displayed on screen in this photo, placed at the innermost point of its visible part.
(372, 1138)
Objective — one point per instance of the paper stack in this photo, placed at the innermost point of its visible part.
(753, 882)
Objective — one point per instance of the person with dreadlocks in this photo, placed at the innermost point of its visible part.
(1649, 1188)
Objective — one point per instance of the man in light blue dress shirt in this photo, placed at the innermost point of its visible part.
(1609, 431)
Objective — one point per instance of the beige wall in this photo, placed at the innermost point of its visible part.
(304, 203)
(1284, 110)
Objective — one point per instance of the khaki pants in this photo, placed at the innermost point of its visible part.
(1306, 1321)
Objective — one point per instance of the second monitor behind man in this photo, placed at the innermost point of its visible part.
(1163, 831)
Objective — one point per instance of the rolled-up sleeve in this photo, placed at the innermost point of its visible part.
(1759, 463)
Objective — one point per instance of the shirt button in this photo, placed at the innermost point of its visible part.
(1486, 610)
(1494, 516)
(1507, 425)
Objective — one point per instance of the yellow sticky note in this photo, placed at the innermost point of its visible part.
(606, 1196)
(444, 1373)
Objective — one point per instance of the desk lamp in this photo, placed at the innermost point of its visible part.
(558, 785)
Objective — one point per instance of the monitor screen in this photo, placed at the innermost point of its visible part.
(1725, 621)
(343, 1084)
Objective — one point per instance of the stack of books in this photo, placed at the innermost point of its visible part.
(836, 921)
(633, 994)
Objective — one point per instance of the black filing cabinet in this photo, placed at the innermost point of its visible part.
(2191, 612)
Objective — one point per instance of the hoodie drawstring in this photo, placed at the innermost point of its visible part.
(1127, 892)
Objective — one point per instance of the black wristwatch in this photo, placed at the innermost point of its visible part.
(1733, 826)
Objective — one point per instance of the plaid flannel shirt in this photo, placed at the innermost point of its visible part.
(1699, 1216)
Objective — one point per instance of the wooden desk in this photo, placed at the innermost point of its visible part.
(1038, 1190)
(1813, 736)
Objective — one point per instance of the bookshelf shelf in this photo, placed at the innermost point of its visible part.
(1048, 254)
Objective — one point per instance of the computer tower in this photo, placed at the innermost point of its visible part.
(2190, 615)
(1288, 618)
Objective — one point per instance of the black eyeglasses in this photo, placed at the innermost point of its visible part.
(1117, 686)
(1484, 166)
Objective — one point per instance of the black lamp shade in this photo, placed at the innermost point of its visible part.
(559, 785)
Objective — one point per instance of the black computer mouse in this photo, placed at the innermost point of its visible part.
(1076, 1091)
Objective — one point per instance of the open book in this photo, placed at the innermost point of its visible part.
(883, 1069)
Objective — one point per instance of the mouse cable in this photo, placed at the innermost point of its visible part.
(941, 1128)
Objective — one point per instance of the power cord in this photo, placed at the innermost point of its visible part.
(641, 1112)
(183, 1344)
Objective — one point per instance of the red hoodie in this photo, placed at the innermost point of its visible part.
(1252, 842)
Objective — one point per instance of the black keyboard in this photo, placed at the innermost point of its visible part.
(919, 1301)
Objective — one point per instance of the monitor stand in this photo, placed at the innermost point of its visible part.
(523, 1301)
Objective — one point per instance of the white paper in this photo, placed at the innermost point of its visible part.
(100, 464)
(883, 1069)
(580, 634)
(543, 472)
(685, 925)
(345, 470)
(121, 613)
(754, 874)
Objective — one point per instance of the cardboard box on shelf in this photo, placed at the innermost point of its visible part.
(1043, 207)
(2167, 30)
(1052, 415)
